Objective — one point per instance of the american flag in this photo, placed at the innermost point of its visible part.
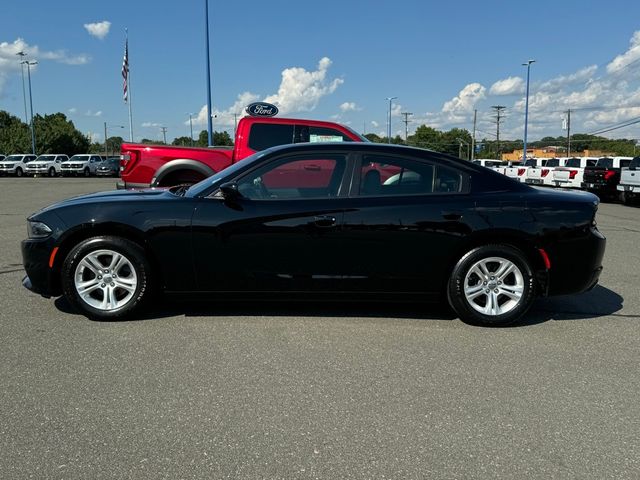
(125, 71)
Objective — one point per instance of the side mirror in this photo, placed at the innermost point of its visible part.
(230, 191)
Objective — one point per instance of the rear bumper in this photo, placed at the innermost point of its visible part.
(576, 263)
(628, 188)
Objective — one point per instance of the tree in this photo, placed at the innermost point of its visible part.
(56, 134)
(183, 141)
(372, 137)
(219, 139)
(15, 135)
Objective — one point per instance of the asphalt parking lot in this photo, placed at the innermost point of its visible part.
(315, 391)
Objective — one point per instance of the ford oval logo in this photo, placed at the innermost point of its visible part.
(262, 109)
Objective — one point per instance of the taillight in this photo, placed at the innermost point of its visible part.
(127, 159)
(521, 171)
(545, 172)
(572, 174)
(608, 174)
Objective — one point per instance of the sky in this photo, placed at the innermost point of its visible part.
(334, 60)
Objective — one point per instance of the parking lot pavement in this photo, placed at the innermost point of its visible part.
(316, 391)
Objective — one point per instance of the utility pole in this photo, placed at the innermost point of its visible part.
(106, 145)
(568, 132)
(473, 138)
(406, 126)
(499, 116)
(235, 125)
(191, 127)
(391, 99)
(164, 134)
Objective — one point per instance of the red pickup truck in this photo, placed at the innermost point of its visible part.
(165, 165)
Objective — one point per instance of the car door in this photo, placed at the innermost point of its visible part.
(404, 224)
(282, 233)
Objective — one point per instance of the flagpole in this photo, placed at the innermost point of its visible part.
(129, 89)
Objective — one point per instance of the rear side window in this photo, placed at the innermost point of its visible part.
(635, 163)
(625, 163)
(382, 176)
(267, 135)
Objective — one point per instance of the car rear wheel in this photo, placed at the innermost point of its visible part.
(492, 285)
(106, 278)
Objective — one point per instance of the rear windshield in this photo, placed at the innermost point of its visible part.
(532, 162)
(605, 162)
(553, 162)
(573, 162)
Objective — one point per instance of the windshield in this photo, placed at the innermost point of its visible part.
(216, 179)
(46, 158)
(13, 158)
(605, 162)
(79, 158)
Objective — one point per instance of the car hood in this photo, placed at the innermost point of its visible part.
(37, 164)
(110, 197)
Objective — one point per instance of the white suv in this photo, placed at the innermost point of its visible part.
(81, 165)
(15, 164)
(46, 165)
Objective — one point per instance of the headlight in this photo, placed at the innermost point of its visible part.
(38, 230)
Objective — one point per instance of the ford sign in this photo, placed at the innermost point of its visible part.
(262, 109)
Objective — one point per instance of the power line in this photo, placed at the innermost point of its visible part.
(637, 120)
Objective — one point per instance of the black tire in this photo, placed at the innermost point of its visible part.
(52, 172)
(120, 279)
(19, 172)
(464, 275)
(87, 172)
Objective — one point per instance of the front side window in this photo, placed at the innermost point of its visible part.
(381, 176)
(297, 177)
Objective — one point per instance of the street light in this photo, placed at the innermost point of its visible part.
(106, 145)
(191, 126)
(24, 92)
(391, 99)
(33, 133)
(526, 110)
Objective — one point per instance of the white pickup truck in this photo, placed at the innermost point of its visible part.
(46, 165)
(541, 174)
(81, 165)
(15, 164)
(519, 171)
(572, 173)
(629, 186)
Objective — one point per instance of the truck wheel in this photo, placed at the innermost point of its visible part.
(492, 285)
(87, 172)
(19, 172)
(181, 177)
(52, 172)
(106, 278)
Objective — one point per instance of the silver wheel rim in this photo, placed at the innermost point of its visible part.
(105, 280)
(494, 286)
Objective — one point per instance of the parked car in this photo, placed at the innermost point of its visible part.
(318, 220)
(571, 175)
(85, 165)
(629, 186)
(604, 177)
(46, 165)
(110, 167)
(15, 164)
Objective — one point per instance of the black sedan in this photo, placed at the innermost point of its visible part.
(333, 221)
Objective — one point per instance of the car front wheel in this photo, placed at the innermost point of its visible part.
(106, 278)
(19, 172)
(492, 285)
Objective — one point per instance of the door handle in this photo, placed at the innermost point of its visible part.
(324, 221)
(452, 216)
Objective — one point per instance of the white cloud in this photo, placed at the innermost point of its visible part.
(98, 29)
(151, 125)
(507, 86)
(374, 124)
(466, 100)
(582, 76)
(91, 113)
(73, 110)
(10, 61)
(349, 107)
(621, 62)
(299, 91)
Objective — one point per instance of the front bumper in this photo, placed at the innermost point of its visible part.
(40, 278)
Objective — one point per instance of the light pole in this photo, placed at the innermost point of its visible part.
(191, 126)
(33, 133)
(391, 99)
(24, 93)
(526, 110)
(209, 119)
(106, 145)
